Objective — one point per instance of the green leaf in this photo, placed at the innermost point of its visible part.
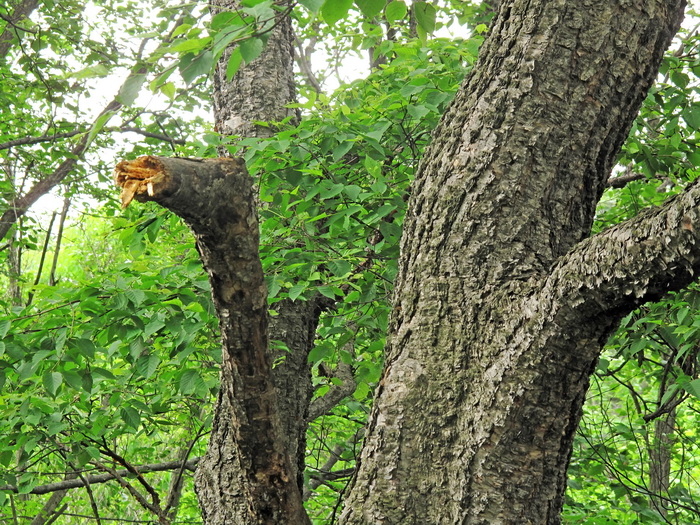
(370, 8)
(72, 378)
(146, 365)
(4, 327)
(395, 11)
(152, 327)
(130, 416)
(251, 49)
(135, 295)
(693, 387)
(296, 290)
(130, 89)
(97, 70)
(692, 116)
(340, 268)
(189, 381)
(52, 381)
(97, 126)
(191, 67)
(326, 291)
(168, 89)
(334, 10)
(425, 16)
(319, 352)
(312, 5)
(226, 19)
(234, 63)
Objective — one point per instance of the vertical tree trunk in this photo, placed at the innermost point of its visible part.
(494, 333)
(660, 461)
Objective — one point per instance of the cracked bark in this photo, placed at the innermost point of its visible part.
(501, 306)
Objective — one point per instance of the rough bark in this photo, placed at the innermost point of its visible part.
(259, 92)
(501, 306)
(215, 198)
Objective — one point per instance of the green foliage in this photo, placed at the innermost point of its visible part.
(117, 361)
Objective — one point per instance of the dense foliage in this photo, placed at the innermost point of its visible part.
(109, 351)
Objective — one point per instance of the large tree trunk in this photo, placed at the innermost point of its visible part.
(500, 308)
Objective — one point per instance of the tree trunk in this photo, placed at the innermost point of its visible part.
(501, 307)
(660, 462)
(215, 198)
(259, 92)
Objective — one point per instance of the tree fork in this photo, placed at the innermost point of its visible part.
(215, 198)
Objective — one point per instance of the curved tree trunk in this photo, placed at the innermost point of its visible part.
(259, 92)
(496, 329)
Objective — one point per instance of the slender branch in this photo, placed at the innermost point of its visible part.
(154, 508)
(302, 60)
(59, 239)
(68, 484)
(336, 393)
(59, 136)
(44, 249)
(135, 472)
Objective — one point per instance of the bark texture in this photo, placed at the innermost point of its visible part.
(502, 305)
(215, 198)
(261, 90)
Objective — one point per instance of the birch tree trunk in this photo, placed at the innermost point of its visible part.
(502, 304)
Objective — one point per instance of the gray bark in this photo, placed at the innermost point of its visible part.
(502, 305)
(259, 91)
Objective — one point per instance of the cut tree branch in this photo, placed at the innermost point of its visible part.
(215, 198)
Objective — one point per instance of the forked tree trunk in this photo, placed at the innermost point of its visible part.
(501, 307)
(502, 302)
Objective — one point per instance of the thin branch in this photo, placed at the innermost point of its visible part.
(190, 465)
(59, 238)
(152, 507)
(302, 60)
(59, 136)
(44, 249)
(336, 393)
